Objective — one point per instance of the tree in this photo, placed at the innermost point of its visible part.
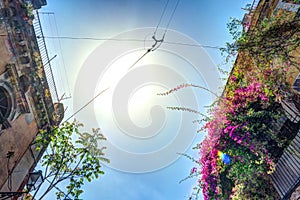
(69, 160)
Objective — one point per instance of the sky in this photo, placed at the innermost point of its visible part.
(143, 136)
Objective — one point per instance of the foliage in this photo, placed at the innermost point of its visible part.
(28, 7)
(241, 124)
(270, 38)
(240, 127)
(68, 161)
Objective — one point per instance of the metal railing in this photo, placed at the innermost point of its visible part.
(45, 57)
(287, 174)
(254, 4)
(291, 110)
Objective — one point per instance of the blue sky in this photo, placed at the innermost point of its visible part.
(202, 21)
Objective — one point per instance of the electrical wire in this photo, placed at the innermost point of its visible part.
(130, 40)
(85, 105)
(194, 45)
(58, 189)
(167, 27)
(161, 16)
(55, 48)
(58, 48)
(140, 58)
(157, 42)
(153, 48)
(63, 60)
(171, 18)
(93, 38)
(156, 45)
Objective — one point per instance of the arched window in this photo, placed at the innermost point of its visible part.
(5, 107)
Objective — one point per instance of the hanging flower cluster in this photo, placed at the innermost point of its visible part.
(238, 153)
(236, 156)
(233, 140)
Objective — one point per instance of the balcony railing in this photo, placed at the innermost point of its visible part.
(291, 110)
(287, 174)
(45, 57)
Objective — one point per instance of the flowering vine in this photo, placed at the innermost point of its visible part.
(241, 146)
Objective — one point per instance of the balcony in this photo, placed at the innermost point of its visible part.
(287, 174)
(45, 57)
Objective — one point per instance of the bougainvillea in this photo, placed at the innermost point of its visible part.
(241, 147)
(240, 130)
(234, 130)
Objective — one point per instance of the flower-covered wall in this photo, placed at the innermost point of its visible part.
(244, 133)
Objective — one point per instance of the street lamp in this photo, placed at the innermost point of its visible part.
(35, 179)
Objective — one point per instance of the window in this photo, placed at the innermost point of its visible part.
(5, 107)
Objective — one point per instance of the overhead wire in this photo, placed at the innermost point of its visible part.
(161, 16)
(154, 47)
(129, 40)
(94, 39)
(158, 42)
(171, 18)
(62, 57)
(85, 105)
(148, 51)
(55, 49)
(140, 58)
(61, 72)
(194, 45)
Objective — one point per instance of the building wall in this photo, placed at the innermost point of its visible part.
(23, 91)
(16, 139)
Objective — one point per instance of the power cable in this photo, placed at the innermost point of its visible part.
(129, 40)
(171, 18)
(58, 48)
(158, 42)
(55, 48)
(168, 24)
(194, 45)
(57, 188)
(92, 38)
(156, 45)
(153, 48)
(140, 58)
(63, 60)
(85, 105)
(161, 16)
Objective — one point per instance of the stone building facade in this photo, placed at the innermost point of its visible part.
(26, 103)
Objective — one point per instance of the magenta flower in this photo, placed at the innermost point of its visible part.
(193, 170)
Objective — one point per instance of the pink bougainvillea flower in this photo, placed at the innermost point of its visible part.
(193, 170)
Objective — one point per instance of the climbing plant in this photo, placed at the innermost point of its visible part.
(242, 146)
